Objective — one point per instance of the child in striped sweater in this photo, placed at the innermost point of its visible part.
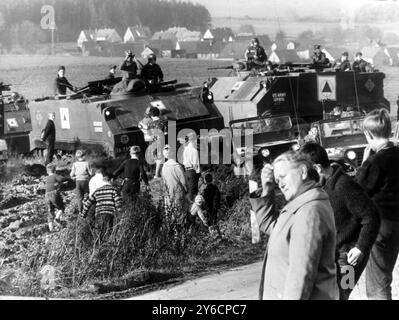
(107, 201)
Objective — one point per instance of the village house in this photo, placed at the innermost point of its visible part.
(136, 33)
(284, 56)
(219, 34)
(186, 49)
(98, 35)
(209, 50)
(376, 55)
(163, 46)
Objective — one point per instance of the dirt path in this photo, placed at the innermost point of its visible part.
(237, 284)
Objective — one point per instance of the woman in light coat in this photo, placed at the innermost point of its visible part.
(300, 262)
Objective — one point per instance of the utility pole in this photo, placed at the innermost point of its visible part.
(53, 27)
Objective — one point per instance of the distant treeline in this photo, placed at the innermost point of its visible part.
(20, 19)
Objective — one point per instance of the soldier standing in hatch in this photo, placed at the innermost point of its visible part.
(255, 55)
(360, 65)
(152, 74)
(319, 59)
(48, 135)
(129, 68)
(343, 64)
(61, 84)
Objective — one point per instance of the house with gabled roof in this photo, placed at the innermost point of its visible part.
(136, 33)
(219, 34)
(107, 34)
(85, 36)
(284, 56)
(375, 55)
(187, 49)
(164, 46)
(210, 49)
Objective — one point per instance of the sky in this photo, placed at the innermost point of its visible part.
(273, 8)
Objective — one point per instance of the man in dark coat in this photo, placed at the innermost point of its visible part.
(61, 84)
(134, 172)
(152, 74)
(48, 135)
(255, 55)
(356, 217)
(360, 65)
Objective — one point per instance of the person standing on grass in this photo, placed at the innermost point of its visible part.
(157, 123)
(133, 172)
(356, 217)
(192, 167)
(174, 180)
(211, 195)
(53, 198)
(97, 181)
(379, 177)
(107, 202)
(48, 135)
(81, 173)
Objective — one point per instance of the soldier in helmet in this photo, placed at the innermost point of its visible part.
(320, 60)
(111, 73)
(61, 84)
(152, 73)
(360, 65)
(255, 55)
(343, 64)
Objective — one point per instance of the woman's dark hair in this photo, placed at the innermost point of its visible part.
(316, 154)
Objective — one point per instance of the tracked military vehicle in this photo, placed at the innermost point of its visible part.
(94, 118)
(304, 94)
(97, 119)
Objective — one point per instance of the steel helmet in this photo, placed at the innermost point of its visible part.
(152, 57)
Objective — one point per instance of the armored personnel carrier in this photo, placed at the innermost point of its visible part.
(94, 118)
(97, 119)
(304, 94)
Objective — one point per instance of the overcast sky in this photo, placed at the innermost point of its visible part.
(273, 8)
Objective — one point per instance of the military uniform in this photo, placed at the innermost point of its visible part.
(320, 60)
(256, 56)
(60, 86)
(152, 75)
(342, 66)
(360, 66)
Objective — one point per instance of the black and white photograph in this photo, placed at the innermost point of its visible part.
(212, 152)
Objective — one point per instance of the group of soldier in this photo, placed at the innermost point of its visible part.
(256, 58)
(150, 77)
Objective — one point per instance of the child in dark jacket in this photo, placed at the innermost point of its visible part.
(356, 217)
(379, 176)
(53, 198)
(211, 195)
